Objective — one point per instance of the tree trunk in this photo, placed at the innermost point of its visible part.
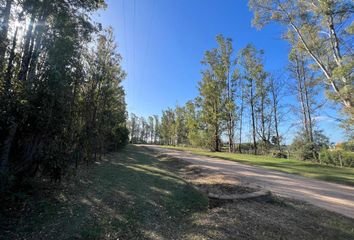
(345, 101)
(241, 121)
(231, 133)
(275, 112)
(27, 51)
(300, 89)
(10, 65)
(38, 35)
(230, 120)
(253, 120)
(6, 150)
(216, 126)
(216, 142)
(308, 108)
(306, 103)
(263, 119)
(4, 30)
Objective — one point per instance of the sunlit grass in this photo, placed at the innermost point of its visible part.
(136, 194)
(126, 196)
(306, 169)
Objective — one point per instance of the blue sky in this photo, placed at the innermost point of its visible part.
(163, 41)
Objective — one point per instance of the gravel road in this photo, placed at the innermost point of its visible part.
(334, 197)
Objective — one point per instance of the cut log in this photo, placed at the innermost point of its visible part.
(256, 194)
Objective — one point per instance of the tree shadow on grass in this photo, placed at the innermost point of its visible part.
(133, 195)
(123, 197)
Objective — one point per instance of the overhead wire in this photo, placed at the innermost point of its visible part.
(148, 38)
(133, 68)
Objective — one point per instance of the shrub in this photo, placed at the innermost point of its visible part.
(349, 146)
(337, 158)
(279, 155)
(245, 147)
(305, 151)
(348, 159)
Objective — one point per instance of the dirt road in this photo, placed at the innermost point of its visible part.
(334, 197)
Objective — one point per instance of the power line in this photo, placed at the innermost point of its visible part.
(148, 39)
(134, 47)
(129, 53)
(125, 30)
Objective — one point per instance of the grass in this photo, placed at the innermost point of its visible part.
(136, 194)
(306, 169)
(127, 196)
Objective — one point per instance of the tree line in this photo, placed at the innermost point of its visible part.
(143, 130)
(241, 105)
(61, 94)
(231, 86)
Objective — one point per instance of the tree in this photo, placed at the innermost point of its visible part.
(217, 93)
(228, 72)
(306, 89)
(112, 108)
(143, 132)
(168, 127)
(323, 31)
(254, 76)
(152, 128)
(157, 129)
(195, 137)
(181, 126)
(241, 99)
(263, 110)
(211, 112)
(6, 13)
(133, 128)
(62, 100)
(275, 88)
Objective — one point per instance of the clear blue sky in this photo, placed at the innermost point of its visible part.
(163, 41)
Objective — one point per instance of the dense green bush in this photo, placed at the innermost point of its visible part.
(279, 154)
(337, 158)
(347, 146)
(304, 151)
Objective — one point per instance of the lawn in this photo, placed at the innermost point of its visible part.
(306, 169)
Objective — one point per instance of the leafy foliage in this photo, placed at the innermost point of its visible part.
(322, 30)
(62, 102)
(337, 158)
(305, 150)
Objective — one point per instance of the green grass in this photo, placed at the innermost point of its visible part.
(136, 194)
(306, 169)
(126, 196)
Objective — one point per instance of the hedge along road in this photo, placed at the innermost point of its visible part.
(333, 197)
